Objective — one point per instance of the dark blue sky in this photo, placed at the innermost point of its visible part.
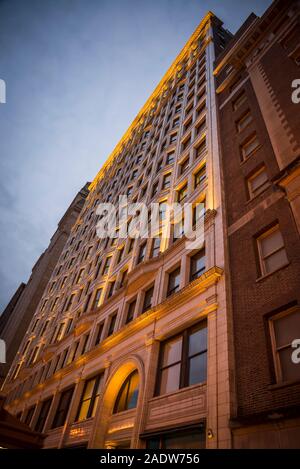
(77, 72)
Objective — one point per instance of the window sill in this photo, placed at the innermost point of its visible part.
(284, 384)
(257, 195)
(263, 277)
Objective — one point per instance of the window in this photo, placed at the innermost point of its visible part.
(155, 249)
(112, 323)
(184, 166)
(244, 121)
(123, 278)
(173, 282)
(69, 304)
(63, 407)
(283, 329)
(111, 288)
(128, 394)
(200, 149)
(130, 311)
(142, 253)
(29, 415)
(197, 265)
(106, 266)
(97, 298)
(249, 147)
(155, 189)
(200, 176)
(271, 251)
(258, 182)
(170, 158)
(148, 299)
(181, 194)
(166, 181)
(183, 360)
(189, 439)
(85, 343)
(162, 211)
(89, 399)
(39, 426)
(99, 333)
(241, 99)
(173, 138)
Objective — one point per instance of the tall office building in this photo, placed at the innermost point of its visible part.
(129, 344)
(148, 342)
(260, 134)
(17, 316)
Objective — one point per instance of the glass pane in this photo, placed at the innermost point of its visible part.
(258, 180)
(172, 351)
(290, 370)
(95, 406)
(153, 443)
(276, 261)
(198, 369)
(271, 242)
(133, 391)
(170, 379)
(188, 441)
(287, 329)
(89, 389)
(198, 341)
(121, 399)
(84, 408)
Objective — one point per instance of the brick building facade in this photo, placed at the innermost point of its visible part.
(260, 134)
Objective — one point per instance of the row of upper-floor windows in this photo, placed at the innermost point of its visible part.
(134, 307)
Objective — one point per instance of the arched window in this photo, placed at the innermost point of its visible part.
(128, 394)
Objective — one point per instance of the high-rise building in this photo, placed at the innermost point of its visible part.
(260, 134)
(15, 319)
(133, 333)
(156, 342)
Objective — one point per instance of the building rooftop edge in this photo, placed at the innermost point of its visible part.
(153, 95)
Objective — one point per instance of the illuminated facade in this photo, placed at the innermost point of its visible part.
(144, 343)
(128, 347)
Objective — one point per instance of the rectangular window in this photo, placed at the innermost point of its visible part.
(63, 407)
(148, 299)
(200, 176)
(99, 333)
(97, 298)
(89, 399)
(249, 146)
(173, 138)
(170, 158)
(244, 121)
(167, 181)
(184, 166)
(112, 323)
(241, 99)
(189, 439)
(182, 194)
(200, 149)
(29, 415)
(183, 360)
(283, 330)
(111, 287)
(39, 426)
(155, 249)
(106, 266)
(130, 311)
(258, 182)
(174, 282)
(197, 265)
(271, 250)
(142, 253)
